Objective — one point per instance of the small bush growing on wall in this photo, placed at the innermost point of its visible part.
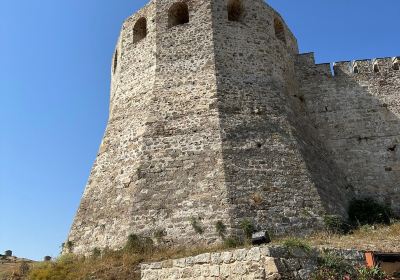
(368, 211)
(232, 242)
(196, 225)
(138, 244)
(68, 246)
(220, 228)
(296, 243)
(335, 224)
(96, 253)
(248, 228)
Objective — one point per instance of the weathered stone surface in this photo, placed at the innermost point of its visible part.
(219, 120)
(238, 265)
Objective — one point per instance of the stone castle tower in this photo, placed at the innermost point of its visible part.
(214, 116)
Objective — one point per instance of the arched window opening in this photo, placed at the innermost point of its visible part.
(235, 10)
(376, 68)
(396, 64)
(178, 14)
(279, 30)
(355, 69)
(139, 30)
(115, 61)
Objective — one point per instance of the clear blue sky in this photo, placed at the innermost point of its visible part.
(54, 86)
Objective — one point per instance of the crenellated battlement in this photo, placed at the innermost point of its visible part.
(361, 66)
(366, 66)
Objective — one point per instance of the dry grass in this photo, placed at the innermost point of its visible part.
(121, 265)
(373, 238)
(7, 269)
(118, 265)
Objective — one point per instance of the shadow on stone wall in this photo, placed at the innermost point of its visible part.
(356, 117)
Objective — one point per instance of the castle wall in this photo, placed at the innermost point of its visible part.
(103, 218)
(182, 176)
(217, 120)
(267, 175)
(357, 117)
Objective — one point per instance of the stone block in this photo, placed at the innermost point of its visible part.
(179, 263)
(214, 271)
(202, 259)
(227, 257)
(254, 254)
(270, 266)
(239, 255)
(216, 258)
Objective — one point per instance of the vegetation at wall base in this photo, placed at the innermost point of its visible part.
(248, 228)
(293, 243)
(368, 212)
(335, 224)
(124, 264)
(333, 267)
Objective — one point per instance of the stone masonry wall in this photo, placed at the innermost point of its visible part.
(266, 262)
(268, 178)
(160, 162)
(107, 203)
(218, 120)
(182, 176)
(357, 117)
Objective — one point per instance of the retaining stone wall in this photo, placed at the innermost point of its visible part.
(266, 262)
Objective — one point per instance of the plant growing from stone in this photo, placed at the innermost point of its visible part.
(292, 243)
(331, 266)
(138, 244)
(196, 225)
(334, 224)
(67, 246)
(371, 273)
(96, 253)
(248, 228)
(232, 242)
(220, 228)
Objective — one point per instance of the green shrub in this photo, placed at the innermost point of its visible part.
(248, 228)
(232, 242)
(138, 245)
(96, 252)
(67, 267)
(335, 224)
(297, 243)
(67, 246)
(374, 273)
(333, 267)
(220, 228)
(368, 211)
(196, 225)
